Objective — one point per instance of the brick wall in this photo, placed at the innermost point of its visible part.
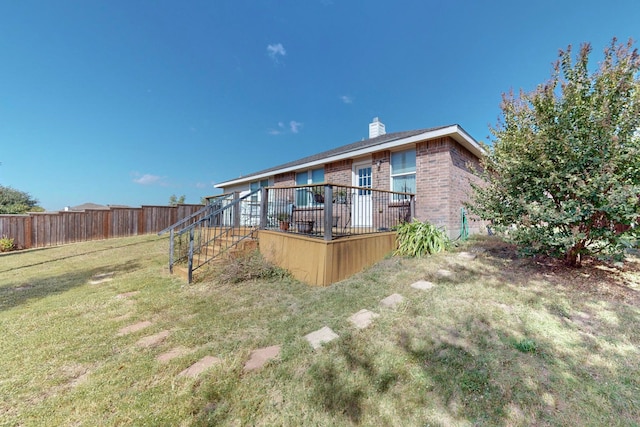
(442, 184)
(286, 179)
(380, 175)
(338, 172)
(432, 181)
(461, 175)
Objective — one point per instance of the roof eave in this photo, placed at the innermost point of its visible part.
(454, 131)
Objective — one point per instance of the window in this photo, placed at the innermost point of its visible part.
(255, 185)
(403, 172)
(304, 196)
(364, 180)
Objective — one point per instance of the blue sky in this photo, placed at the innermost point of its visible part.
(128, 102)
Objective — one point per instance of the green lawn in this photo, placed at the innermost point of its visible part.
(503, 341)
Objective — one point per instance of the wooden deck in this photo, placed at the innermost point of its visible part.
(319, 262)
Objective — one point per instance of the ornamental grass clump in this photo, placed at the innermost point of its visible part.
(417, 238)
(6, 244)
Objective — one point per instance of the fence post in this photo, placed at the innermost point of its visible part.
(171, 248)
(28, 229)
(328, 212)
(141, 221)
(190, 266)
(264, 207)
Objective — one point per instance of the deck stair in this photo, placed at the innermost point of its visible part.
(218, 253)
(225, 228)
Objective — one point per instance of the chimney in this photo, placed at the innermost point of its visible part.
(376, 128)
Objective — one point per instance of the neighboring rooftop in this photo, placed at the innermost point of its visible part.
(86, 206)
(92, 206)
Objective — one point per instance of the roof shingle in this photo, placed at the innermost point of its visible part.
(366, 143)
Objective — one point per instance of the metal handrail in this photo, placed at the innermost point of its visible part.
(204, 238)
(193, 215)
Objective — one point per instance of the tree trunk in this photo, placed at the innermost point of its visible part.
(573, 257)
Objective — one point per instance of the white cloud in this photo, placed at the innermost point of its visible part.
(295, 126)
(147, 179)
(275, 51)
(292, 127)
(277, 131)
(346, 99)
(202, 185)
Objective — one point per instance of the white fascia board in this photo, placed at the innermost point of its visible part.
(455, 131)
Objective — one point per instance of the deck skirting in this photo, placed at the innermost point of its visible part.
(319, 262)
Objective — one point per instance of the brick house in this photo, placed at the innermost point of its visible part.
(433, 163)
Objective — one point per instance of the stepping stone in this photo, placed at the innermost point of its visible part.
(444, 274)
(392, 301)
(153, 340)
(260, 357)
(123, 317)
(321, 336)
(466, 256)
(134, 328)
(101, 278)
(173, 353)
(363, 318)
(200, 366)
(127, 294)
(422, 285)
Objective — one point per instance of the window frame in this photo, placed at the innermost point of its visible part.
(261, 183)
(393, 176)
(308, 201)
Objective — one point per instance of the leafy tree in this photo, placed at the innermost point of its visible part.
(174, 201)
(563, 174)
(16, 202)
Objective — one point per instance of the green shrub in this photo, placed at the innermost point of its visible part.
(6, 244)
(418, 238)
(526, 345)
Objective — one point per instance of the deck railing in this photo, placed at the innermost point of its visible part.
(225, 221)
(331, 211)
(324, 211)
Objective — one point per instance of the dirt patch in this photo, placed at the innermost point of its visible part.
(604, 280)
(76, 374)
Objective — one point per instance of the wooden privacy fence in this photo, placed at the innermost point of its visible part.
(36, 230)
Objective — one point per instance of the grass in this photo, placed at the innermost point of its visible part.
(502, 341)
